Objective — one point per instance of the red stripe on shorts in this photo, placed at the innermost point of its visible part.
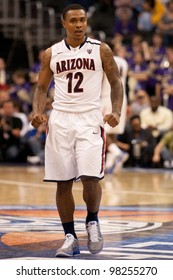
(103, 149)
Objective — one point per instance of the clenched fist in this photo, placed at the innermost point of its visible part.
(38, 119)
(112, 119)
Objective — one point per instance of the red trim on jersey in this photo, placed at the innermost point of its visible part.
(103, 148)
(47, 130)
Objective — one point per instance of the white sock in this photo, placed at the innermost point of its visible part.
(110, 159)
(114, 149)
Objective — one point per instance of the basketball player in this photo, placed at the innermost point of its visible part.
(75, 142)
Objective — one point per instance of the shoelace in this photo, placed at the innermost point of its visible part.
(93, 231)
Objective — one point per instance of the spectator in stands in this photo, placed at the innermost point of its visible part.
(140, 102)
(138, 75)
(35, 138)
(148, 19)
(35, 142)
(165, 25)
(103, 17)
(4, 96)
(20, 90)
(163, 152)
(134, 46)
(135, 5)
(4, 76)
(157, 118)
(157, 48)
(128, 3)
(157, 52)
(35, 68)
(164, 87)
(137, 45)
(33, 74)
(10, 129)
(165, 2)
(122, 3)
(124, 24)
(156, 9)
(21, 115)
(144, 24)
(138, 142)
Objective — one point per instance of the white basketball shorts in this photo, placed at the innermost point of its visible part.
(75, 146)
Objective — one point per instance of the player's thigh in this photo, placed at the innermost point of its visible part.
(90, 152)
(59, 155)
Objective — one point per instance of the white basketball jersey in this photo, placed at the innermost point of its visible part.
(78, 75)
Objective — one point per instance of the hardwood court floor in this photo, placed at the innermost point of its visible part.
(136, 215)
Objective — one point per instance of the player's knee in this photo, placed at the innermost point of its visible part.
(89, 178)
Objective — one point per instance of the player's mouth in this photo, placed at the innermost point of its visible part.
(79, 32)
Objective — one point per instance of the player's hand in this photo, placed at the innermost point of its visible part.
(112, 119)
(38, 119)
(156, 158)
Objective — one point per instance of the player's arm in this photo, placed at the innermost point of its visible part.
(40, 93)
(111, 69)
(157, 151)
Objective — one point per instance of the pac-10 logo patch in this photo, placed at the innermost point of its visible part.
(89, 51)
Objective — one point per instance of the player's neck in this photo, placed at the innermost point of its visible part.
(74, 43)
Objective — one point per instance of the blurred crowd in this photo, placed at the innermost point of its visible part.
(140, 33)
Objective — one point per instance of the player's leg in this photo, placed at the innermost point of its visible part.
(60, 166)
(66, 206)
(64, 195)
(90, 155)
(92, 193)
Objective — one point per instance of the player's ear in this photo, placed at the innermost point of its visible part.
(63, 22)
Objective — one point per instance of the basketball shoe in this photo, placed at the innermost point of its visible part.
(69, 248)
(119, 162)
(95, 239)
(115, 163)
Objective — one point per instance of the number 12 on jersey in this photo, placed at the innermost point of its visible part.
(75, 82)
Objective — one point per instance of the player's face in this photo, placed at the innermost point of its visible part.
(75, 24)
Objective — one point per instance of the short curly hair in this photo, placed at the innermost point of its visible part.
(72, 7)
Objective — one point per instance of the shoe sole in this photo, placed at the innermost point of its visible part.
(65, 255)
(94, 252)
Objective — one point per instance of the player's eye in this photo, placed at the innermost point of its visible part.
(73, 21)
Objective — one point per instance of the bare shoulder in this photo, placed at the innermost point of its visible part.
(108, 61)
(105, 50)
(45, 61)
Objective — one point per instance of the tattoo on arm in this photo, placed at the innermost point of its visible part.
(39, 99)
(111, 69)
(45, 76)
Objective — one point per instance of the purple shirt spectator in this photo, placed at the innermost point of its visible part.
(124, 23)
(137, 67)
(165, 76)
